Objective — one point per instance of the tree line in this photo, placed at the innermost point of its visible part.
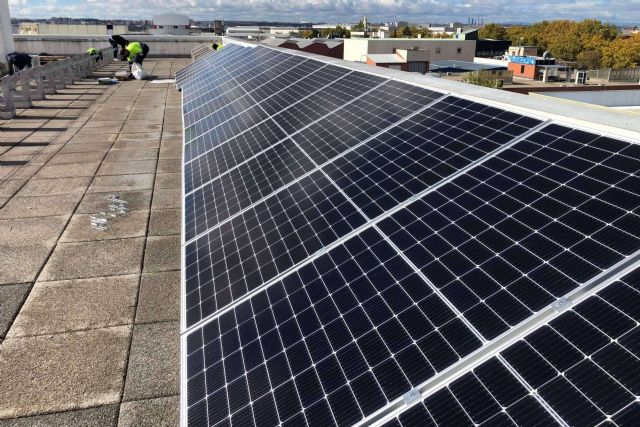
(590, 43)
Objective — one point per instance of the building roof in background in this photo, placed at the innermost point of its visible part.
(461, 66)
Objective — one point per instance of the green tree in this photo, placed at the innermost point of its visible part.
(622, 53)
(406, 32)
(359, 26)
(493, 31)
(308, 34)
(590, 59)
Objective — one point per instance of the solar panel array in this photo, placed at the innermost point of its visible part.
(350, 240)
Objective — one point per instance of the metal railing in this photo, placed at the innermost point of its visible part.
(606, 75)
(34, 84)
(200, 51)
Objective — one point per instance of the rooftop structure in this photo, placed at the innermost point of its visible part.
(453, 66)
(366, 246)
(173, 24)
(412, 60)
(440, 49)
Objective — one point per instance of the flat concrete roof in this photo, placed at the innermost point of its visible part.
(89, 320)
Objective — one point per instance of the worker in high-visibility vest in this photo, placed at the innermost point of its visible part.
(216, 46)
(95, 52)
(135, 52)
(129, 51)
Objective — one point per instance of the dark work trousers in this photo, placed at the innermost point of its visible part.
(140, 57)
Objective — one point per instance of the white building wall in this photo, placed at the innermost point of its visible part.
(441, 49)
(76, 29)
(166, 46)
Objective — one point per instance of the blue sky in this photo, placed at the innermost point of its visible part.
(618, 11)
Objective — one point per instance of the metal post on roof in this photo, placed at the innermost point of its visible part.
(6, 38)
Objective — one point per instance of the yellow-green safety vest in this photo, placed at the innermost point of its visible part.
(134, 49)
(92, 51)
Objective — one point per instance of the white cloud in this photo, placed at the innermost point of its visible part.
(337, 10)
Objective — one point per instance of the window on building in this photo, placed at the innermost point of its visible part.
(522, 69)
(417, 67)
(459, 50)
(161, 26)
(438, 51)
(175, 26)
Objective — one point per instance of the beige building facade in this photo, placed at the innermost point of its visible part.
(440, 49)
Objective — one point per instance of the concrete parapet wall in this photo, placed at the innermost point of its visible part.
(159, 46)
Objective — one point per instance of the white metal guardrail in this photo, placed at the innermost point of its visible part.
(200, 50)
(34, 84)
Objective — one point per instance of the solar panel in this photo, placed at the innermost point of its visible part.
(297, 93)
(230, 154)
(240, 255)
(419, 152)
(523, 228)
(340, 337)
(353, 243)
(582, 368)
(242, 187)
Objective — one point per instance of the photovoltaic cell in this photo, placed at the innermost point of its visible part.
(325, 102)
(284, 79)
(352, 124)
(525, 227)
(249, 250)
(230, 154)
(297, 92)
(230, 193)
(420, 152)
(225, 131)
(328, 344)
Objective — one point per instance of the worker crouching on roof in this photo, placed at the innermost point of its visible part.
(95, 52)
(18, 59)
(133, 52)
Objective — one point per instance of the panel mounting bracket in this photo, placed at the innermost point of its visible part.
(411, 396)
(561, 304)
